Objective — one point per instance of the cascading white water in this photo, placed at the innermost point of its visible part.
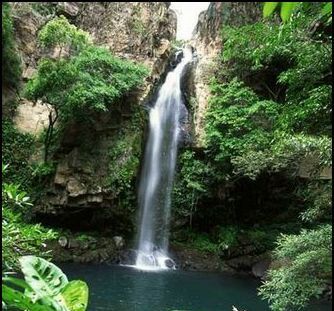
(158, 172)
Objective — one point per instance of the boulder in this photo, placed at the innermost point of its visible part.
(260, 268)
(63, 241)
(169, 263)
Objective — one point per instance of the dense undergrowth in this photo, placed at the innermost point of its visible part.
(269, 113)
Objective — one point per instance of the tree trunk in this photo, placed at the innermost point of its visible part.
(49, 134)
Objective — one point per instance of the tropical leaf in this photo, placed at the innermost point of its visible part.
(45, 284)
(269, 8)
(18, 282)
(19, 300)
(287, 9)
(45, 278)
(75, 296)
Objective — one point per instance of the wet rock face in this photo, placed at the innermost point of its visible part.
(85, 249)
(75, 185)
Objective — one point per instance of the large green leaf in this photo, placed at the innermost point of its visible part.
(18, 282)
(19, 300)
(287, 9)
(269, 8)
(75, 296)
(45, 278)
(49, 286)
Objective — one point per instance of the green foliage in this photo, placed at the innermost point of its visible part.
(327, 9)
(287, 9)
(304, 255)
(101, 80)
(124, 160)
(18, 237)
(89, 80)
(222, 239)
(318, 201)
(308, 59)
(177, 44)
(17, 148)
(15, 195)
(291, 67)
(11, 62)
(299, 131)
(257, 135)
(226, 237)
(285, 153)
(198, 241)
(93, 79)
(269, 8)
(45, 287)
(237, 120)
(60, 33)
(310, 114)
(41, 170)
(191, 184)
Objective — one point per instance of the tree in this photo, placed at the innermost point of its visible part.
(87, 80)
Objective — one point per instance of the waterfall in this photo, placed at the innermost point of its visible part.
(158, 172)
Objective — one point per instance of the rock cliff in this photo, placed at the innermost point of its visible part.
(207, 41)
(140, 31)
(83, 184)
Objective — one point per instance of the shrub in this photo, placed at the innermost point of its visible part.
(11, 62)
(304, 255)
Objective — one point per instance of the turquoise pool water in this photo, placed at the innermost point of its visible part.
(116, 288)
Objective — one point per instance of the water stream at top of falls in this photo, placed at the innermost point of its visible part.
(158, 171)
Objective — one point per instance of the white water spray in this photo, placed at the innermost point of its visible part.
(158, 172)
